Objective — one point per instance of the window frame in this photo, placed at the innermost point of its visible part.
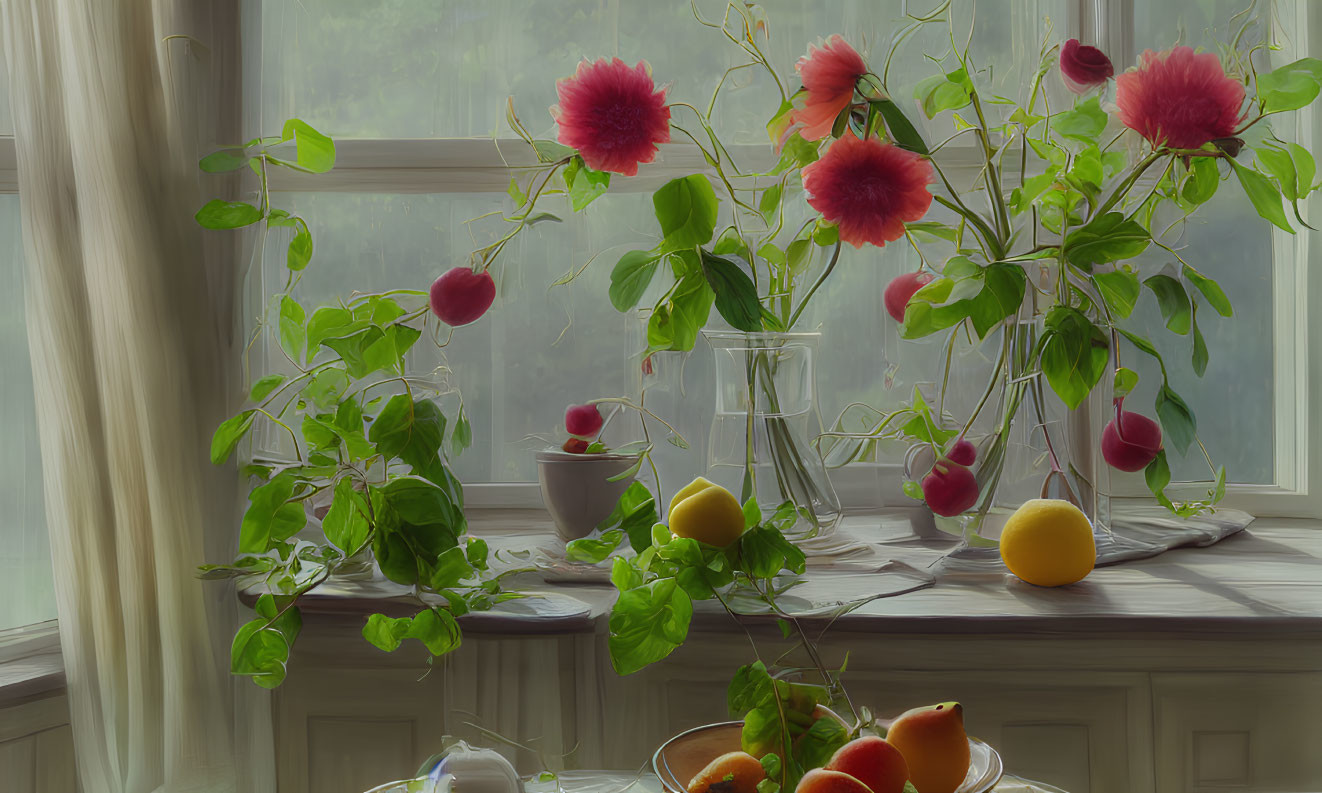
(468, 165)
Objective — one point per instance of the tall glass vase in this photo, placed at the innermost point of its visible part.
(766, 420)
(1032, 445)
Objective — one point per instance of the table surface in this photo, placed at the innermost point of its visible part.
(1266, 580)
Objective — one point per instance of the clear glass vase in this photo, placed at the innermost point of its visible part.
(766, 421)
(1032, 445)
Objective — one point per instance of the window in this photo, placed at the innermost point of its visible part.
(415, 91)
(27, 590)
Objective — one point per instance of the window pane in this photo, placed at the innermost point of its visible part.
(422, 68)
(1229, 242)
(27, 594)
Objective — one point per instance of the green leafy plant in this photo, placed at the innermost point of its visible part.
(660, 577)
(369, 442)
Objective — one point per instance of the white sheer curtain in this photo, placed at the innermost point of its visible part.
(129, 343)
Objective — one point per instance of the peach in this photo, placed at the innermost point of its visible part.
(874, 762)
(934, 744)
(821, 780)
(733, 772)
(461, 296)
(950, 488)
(899, 290)
(1131, 441)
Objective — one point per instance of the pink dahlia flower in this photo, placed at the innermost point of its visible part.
(1180, 99)
(869, 189)
(828, 74)
(1084, 68)
(612, 114)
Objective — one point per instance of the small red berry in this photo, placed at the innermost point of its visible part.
(1132, 443)
(900, 290)
(962, 452)
(583, 420)
(950, 489)
(461, 296)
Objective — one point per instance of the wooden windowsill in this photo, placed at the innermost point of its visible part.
(1266, 581)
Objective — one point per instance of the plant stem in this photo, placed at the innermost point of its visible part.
(835, 256)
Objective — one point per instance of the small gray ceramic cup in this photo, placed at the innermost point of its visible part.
(576, 488)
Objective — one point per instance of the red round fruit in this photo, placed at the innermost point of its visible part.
(583, 420)
(1132, 443)
(950, 488)
(461, 296)
(874, 762)
(963, 453)
(900, 290)
(576, 446)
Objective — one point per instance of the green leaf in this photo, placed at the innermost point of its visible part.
(1085, 122)
(1211, 290)
(736, 296)
(1108, 238)
(293, 335)
(331, 322)
(913, 490)
(1177, 420)
(1264, 194)
(939, 93)
(769, 204)
(271, 516)
(224, 160)
(345, 524)
(1291, 86)
(647, 624)
(260, 649)
(436, 629)
(218, 214)
(1204, 178)
(1120, 289)
(410, 430)
(686, 209)
(263, 387)
(1001, 295)
(635, 514)
(1305, 167)
(675, 326)
(632, 275)
(315, 151)
(1126, 380)
(1199, 344)
(1280, 165)
(796, 153)
(516, 193)
(1173, 302)
(821, 741)
(551, 151)
(901, 130)
(452, 566)
(386, 633)
(228, 435)
(584, 184)
(462, 436)
(593, 550)
(1074, 355)
(764, 552)
(752, 513)
(300, 247)
(1157, 475)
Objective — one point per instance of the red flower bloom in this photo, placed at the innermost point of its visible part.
(828, 73)
(1083, 67)
(869, 189)
(1180, 99)
(612, 114)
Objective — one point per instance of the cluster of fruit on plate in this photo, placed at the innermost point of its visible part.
(924, 750)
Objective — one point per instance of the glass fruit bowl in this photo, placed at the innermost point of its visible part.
(683, 756)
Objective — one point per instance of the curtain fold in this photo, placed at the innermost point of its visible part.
(131, 347)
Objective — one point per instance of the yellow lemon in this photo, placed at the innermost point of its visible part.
(707, 513)
(692, 487)
(1048, 542)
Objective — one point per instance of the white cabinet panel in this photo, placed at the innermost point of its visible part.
(1246, 730)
